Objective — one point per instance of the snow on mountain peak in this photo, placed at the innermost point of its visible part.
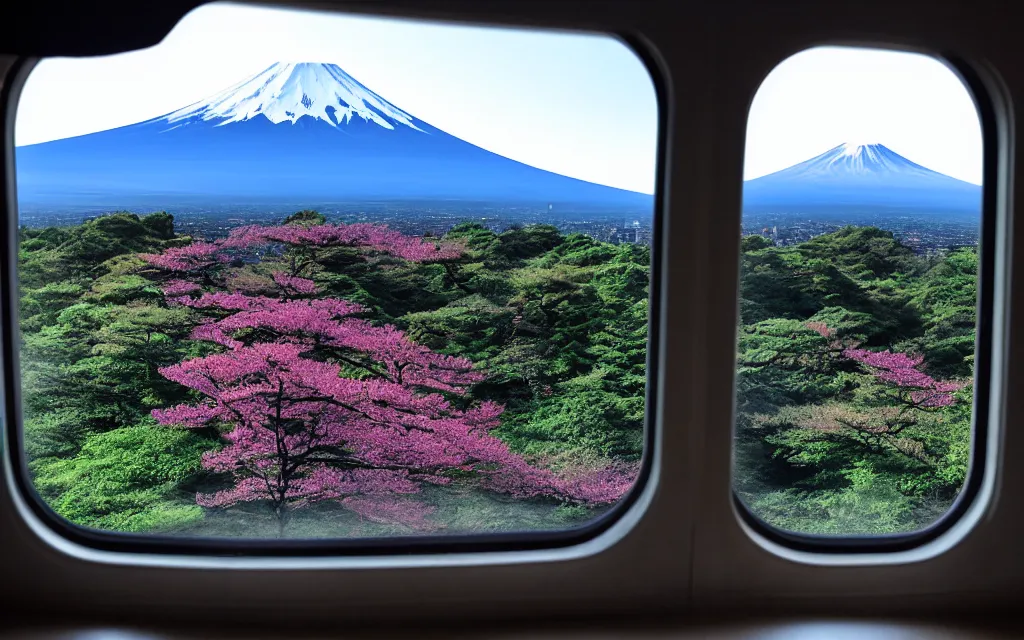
(856, 179)
(856, 148)
(288, 91)
(860, 159)
(863, 164)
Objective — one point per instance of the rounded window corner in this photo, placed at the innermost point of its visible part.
(836, 412)
(550, 542)
(951, 531)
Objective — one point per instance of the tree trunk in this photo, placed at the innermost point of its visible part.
(282, 519)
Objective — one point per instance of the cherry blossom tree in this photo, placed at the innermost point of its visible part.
(197, 260)
(891, 414)
(307, 242)
(915, 388)
(375, 237)
(320, 404)
(190, 259)
(900, 369)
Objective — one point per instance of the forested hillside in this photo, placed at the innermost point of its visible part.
(855, 367)
(311, 379)
(543, 333)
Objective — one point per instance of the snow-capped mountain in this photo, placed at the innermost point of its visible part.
(285, 92)
(862, 178)
(293, 133)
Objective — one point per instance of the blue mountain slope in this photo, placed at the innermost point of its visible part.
(294, 132)
(863, 179)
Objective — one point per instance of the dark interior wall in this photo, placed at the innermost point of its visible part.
(687, 554)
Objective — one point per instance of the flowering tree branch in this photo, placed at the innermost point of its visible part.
(299, 431)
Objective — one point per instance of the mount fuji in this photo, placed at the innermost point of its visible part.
(861, 179)
(294, 133)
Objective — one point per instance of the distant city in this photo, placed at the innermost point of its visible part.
(923, 234)
(419, 219)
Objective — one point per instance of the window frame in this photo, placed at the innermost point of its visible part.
(681, 553)
(984, 391)
(23, 489)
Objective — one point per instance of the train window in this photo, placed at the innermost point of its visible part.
(859, 295)
(261, 298)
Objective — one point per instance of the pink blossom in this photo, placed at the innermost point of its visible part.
(307, 434)
(194, 257)
(821, 328)
(211, 332)
(186, 415)
(376, 238)
(301, 433)
(179, 288)
(902, 370)
(385, 350)
(292, 284)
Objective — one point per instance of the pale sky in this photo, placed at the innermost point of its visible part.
(579, 105)
(823, 97)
